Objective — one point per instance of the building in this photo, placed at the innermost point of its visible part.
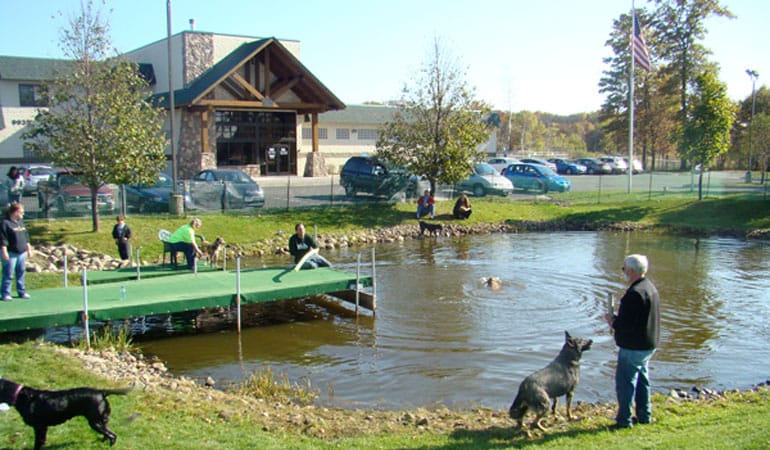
(239, 101)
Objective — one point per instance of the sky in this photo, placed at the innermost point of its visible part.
(536, 55)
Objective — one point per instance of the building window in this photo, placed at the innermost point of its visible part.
(31, 95)
(307, 133)
(367, 134)
(343, 133)
(323, 133)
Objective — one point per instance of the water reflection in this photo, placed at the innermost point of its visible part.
(441, 336)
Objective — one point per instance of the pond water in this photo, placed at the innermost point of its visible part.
(441, 337)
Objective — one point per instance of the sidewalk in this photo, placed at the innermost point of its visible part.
(297, 180)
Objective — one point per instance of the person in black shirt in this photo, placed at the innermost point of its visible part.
(300, 243)
(637, 333)
(15, 248)
(122, 233)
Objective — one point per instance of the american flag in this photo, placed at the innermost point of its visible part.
(639, 47)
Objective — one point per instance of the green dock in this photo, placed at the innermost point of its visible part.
(161, 290)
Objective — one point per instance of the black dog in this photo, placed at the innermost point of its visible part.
(558, 378)
(42, 409)
(431, 228)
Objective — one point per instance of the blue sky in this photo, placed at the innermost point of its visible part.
(541, 55)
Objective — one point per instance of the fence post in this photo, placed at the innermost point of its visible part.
(288, 191)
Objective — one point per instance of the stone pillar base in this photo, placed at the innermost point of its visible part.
(176, 204)
(315, 165)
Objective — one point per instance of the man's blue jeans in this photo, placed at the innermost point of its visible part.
(427, 209)
(14, 265)
(632, 384)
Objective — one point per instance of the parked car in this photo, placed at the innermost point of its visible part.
(368, 175)
(64, 190)
(501, 163)
(150, 197)
(617, 164)
(536, 177)
(636, 165)
(594, 166)
(485, 180)
(33, 175)
(568, 167)
(542, 162)
(223, 188)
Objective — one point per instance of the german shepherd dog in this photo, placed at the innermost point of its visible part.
(558, 378)
(211, 250)
(42, 409)
(431, 228)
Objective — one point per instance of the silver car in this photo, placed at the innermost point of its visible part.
(485, 180)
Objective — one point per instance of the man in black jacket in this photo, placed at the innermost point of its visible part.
(301, 243)
(637, 333)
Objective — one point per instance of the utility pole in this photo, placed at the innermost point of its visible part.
(753, 75)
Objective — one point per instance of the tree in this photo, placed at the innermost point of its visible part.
(99, 120)
(758, 131)
(438, 127)
(680, 25)
(706, 133)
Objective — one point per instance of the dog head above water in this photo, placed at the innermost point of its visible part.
(493, 283)
(576, 345)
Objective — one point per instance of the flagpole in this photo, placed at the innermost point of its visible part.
(631, 101)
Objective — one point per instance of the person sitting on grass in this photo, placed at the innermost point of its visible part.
(426, 205)
(462, 209)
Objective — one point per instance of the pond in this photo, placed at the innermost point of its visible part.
(441, 337)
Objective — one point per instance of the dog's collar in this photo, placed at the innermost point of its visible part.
(16, 394)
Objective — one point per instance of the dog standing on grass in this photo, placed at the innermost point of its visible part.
(42, 409)
(558, 378)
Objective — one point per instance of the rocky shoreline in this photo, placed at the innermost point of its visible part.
(151, 375)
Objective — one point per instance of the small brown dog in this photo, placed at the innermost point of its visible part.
(211, 250)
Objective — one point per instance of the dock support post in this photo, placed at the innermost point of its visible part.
(138, 272)
(65, 265)
(358, 281)
(85, 309)
(238, 293)
(374, 284)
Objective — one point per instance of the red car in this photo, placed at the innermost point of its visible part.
(65, 191)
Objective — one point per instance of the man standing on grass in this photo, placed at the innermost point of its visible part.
(637, 333)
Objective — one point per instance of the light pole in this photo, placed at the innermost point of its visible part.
(753, 75)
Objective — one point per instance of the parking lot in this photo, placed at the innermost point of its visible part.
(293, 192)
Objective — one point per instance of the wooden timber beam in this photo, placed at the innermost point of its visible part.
(281, 88)
(245, 84)
(255, 104)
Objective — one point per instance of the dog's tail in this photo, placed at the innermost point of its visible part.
(121, 391)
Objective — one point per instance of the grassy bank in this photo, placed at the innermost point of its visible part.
(203, 418)
(267, 229)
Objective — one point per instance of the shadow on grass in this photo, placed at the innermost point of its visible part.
(497, 437)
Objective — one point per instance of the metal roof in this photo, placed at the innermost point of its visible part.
(32, 69)
(283, 65)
